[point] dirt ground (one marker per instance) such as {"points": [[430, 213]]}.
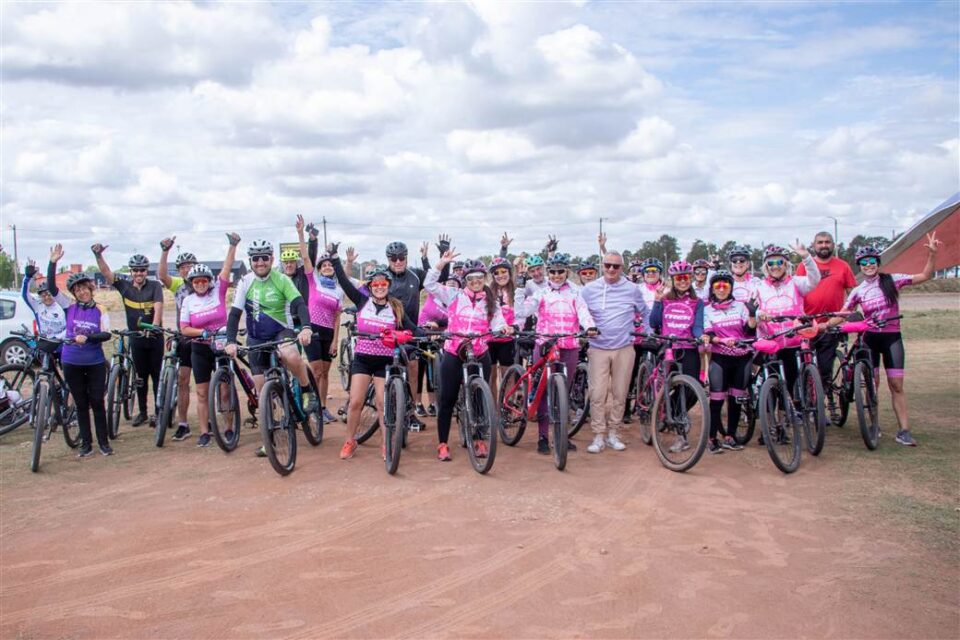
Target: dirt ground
{"points": [[194, 543]]}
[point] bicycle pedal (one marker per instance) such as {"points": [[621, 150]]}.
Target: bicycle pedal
{"points": [[414, 427]]}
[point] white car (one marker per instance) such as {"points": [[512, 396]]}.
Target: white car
{"points": [[14, 315]]}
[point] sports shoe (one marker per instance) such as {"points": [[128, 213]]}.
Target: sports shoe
{"points": [[105, 450], [443, 452], [261, 452], [597, 445], [85, 451], [228, 435], [905, 438], [203, 440], [327, 416], [183, 432], [420, 410], [613, 441], [153, 422], [543, 445], [416, 424], [432, 411], [680, 445], [139, 420], [480, 447], [571, 446], [349, 448], [731, 444], [714, 447]]}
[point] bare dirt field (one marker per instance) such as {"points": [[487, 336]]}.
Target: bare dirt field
{"points": [[183, 542]]}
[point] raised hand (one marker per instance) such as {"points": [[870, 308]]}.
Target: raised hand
{"points": [[233, 239], [56, 252], [351, 255], [167, 243], [443, 243], [299, 223], [424, 249], [800, 249], [551, 244], [332, 248], [505, 240], [448, 256], [98, 248], [31, 270], [932, 244], [602, 241], [312, 230]]}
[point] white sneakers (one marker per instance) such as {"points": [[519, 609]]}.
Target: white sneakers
{"points": [[599, 443]]}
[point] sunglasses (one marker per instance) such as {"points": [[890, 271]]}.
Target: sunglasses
{"points": [[651, 270], [721, 285], [868, 262], [739, 261], [397, 258], [475, 277], [557, 272], [700, 271], [197, 281], [138, 270], [260, 258], [588, 272], [779, 262], [612, 267], [682, 277], [380, 283]]}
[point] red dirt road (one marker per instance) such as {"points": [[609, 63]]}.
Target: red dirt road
{"points": [[190, 543]]}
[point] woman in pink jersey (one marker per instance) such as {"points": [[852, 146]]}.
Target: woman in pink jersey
{"points": [[725, 321], [502, 350], [433, 315], [559, 309], [473, 309], [878, 298], [202, 314], [324, 302]]}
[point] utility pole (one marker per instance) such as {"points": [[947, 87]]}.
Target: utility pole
{"points": [[16, 260], [324, 232], [836, 234]]}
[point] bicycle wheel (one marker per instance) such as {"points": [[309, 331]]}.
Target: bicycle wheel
{"points": [[513, 405], [838, 392], [313, 425], [131, 382], [559, 414], [778, 425], [41, 421], [168, 381], [865, 395], [644, 399], [810, 389], [224, 409], [369, 417], [22, 379], [395, 423], [480, 424], [748, 418], [460, 413], [579, 399], [277, 428], [680, 436], [68, 418], [116, 386], [344, 359]]}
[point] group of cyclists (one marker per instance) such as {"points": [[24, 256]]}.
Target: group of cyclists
{"points": [[611, 314]]}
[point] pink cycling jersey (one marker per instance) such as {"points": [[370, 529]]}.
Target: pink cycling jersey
{"points": [[324, 303], [558, 310], [373, 320], [727, 319], [784, 298], [509, 315], [873, 304], [431, 311], [466, 313], [649, 293], [207, 312], [743, 289], [678, 318]]}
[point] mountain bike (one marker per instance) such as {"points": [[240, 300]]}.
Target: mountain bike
{"points": [[52, 404], [168, 394], [222, 398], [122, 383], [345, 349], [281, 410], [580, 395], [547, 376], [17, 386], [679, 416]]}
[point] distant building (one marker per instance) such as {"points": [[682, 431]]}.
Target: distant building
{"points": [[62, 276], [908, 255]]}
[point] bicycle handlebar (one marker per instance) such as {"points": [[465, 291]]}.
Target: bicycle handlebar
{"points": [[266, 345]]}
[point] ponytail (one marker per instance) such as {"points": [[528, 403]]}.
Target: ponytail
{"points": [[889, 288], [492, 302], [397, 307]]}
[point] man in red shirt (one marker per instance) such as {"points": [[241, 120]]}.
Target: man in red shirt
{"points": [[836, 280]]}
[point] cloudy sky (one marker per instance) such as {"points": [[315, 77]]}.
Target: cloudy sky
{"points": [[125, 122]]}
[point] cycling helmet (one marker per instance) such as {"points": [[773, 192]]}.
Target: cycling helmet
{"points": [[586, 266], [380, 271], [559, 260], [199, 270], [260, 248], [323, 257], [868, 251], [700, 263], [473, 266], [396, 250], [455, 278], [533, 261], [289, 255], [457, 265], [185, 258], [138, 261], [77, 278], [43, 287], [680, 267], [652, 262], [775, 250], [721, 274], [500, 263], [738, 250]]}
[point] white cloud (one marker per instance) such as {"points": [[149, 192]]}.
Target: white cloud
{"points": [[486, 149], [652, 137]]}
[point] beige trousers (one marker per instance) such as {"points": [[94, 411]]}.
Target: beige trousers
{"points": [[609, 379]]}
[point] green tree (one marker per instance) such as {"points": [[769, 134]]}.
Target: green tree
{"points": [[701, 250], [849, 252], [665, 248], [8, 272]]}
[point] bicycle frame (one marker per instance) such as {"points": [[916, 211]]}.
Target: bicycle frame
{"points": [[549, 364]]}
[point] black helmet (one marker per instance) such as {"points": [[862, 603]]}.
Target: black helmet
{"points": [[43, 287], [138, 261], [738, 250], [77, 278], [185, 258], [380, 271], [396, 250]]}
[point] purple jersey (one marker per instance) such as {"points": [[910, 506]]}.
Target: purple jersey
{"points": [[85, 320], [873, 304], [325, 302], [727, 319]]}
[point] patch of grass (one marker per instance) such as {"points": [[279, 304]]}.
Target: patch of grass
{"points": [[936, 524], [937, 324], [940, 285]]}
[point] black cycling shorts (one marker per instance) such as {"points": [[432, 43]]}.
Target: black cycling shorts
{"points": [[889, 348], [185, 354], [319, 347], [260, 360], [502, 353], [203, 361], [368, 365]]}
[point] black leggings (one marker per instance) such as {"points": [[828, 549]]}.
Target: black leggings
{"points": [[729, 376], [889, 348], [425, 362], [147, 360], [88, 384], [450, 379]]}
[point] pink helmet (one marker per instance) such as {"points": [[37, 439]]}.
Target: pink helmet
{"points": [[499, 262], [679, 267]]}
